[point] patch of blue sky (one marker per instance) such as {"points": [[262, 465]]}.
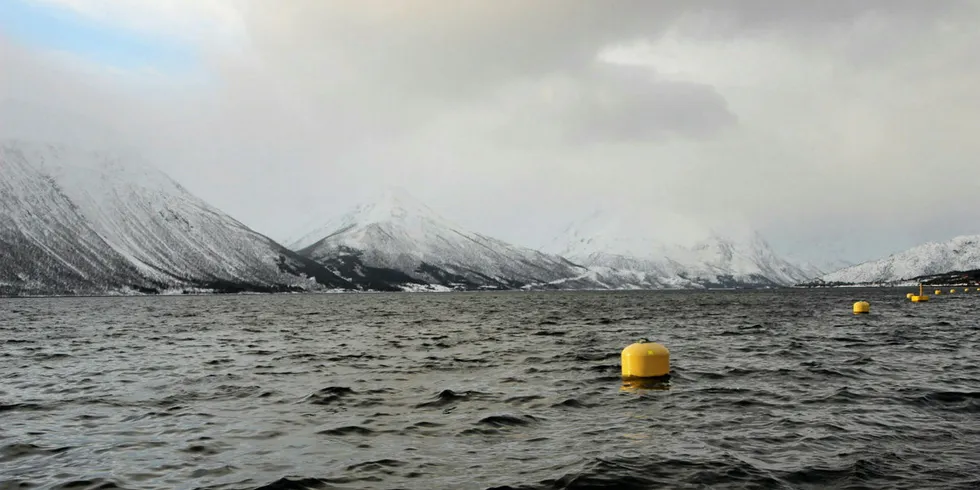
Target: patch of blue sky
{"points": [[50, 26]]}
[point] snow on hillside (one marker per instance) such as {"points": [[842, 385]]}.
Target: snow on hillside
{"points": [[397, 232], [393, 206], [814, 270], [94, 209], [46, 246], [958, 254], [669, 250]]}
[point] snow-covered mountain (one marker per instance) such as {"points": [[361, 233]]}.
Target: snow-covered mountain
{"points": [[958, 254], [401, 238], [668, 250], [83, 222], [815, 270]]}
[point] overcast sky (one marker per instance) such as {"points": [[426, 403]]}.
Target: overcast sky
{"points": [[839, 129]]}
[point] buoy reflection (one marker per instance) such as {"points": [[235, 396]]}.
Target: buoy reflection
{"points": [[659, 383]]}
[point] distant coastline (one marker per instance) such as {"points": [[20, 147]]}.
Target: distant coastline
{"points": [[952, 278]]}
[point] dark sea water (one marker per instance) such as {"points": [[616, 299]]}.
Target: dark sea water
{"points": [[489, 390]]}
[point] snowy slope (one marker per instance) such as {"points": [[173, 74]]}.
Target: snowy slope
{"points": [[46, 246], [815, 270], [398, 234], [958, 254], [668, 250], [117, 223]]}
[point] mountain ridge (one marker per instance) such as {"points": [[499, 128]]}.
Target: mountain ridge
{"points": [[672, 250], [399, 233], [77, 221], [932, 258], [396, 233]]}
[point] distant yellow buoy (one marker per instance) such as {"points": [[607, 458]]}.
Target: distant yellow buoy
{"points": [[951, 291], [909, 295], [862, 307], [645, 360], [938, 292], [920, 297]]}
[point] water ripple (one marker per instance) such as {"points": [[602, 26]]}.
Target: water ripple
{"points": [[768, 389]]}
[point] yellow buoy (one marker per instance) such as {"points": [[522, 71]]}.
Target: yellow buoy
{"points": [[645, 359], [951, 291], [909, 295], [938, 292], [920, 297], [862, 307]]}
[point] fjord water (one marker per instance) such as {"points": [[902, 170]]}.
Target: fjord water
{"points": [[770, 389]]}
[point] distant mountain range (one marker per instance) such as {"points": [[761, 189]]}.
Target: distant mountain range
{"points": [[623, 252], [947, 261], [397, 232], [76, 222]]}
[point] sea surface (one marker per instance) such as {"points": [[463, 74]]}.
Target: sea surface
{"points": [[769, 389]]}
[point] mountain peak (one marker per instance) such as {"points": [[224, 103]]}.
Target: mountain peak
{"points": [[641, 233], [393, 205], [399, 235], [91, 169], [394, 202], [669, 244]]}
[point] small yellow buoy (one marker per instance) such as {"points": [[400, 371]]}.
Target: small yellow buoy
{"points": [[862, 307], [909, 295], [938, 292], [951, 291], [920, 297], [645, 359]]}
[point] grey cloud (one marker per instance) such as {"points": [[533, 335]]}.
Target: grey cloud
{"points": [[450, 49], [373, 70], [444, 49], [629, 103], [753, 14], [50, 96], [609, 104]]}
